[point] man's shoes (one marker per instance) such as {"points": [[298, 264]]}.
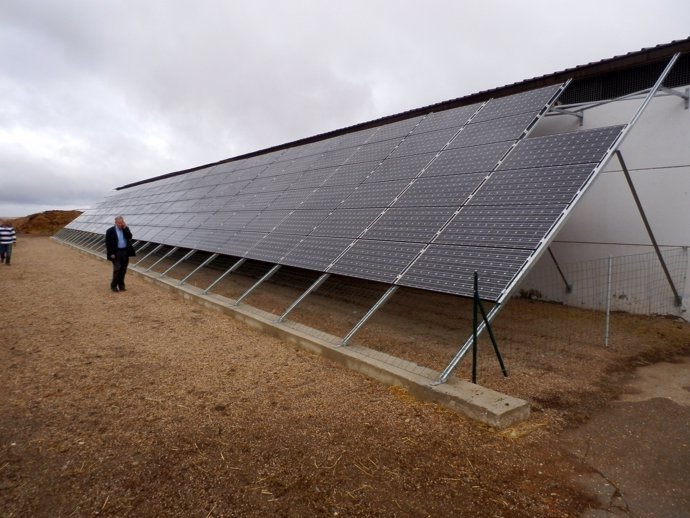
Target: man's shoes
{"points": [[123, 289], [114, 290]]}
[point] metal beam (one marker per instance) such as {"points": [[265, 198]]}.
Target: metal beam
{"points": [[304, 295], [384, 298], [678, 300], [466, 346], [171, 251], [568, 286], [227, 272], [184, 258], [268, 275], [207, 261], [151, 252]]}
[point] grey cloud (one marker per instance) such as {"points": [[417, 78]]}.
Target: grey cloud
{"points": [[99, 94]]}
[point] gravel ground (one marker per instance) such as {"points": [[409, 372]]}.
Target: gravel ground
{"points": [[143, 404]]}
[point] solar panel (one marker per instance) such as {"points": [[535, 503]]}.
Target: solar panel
{"points": [[578, 147], [375, 194], [266, 221], [531, 101], [411, 224], [272, 247], [542, 185], [440, 191], [468, 159], [348, 223], [494, 130], [521, 226], [450, 269], [419, 143], [400, 168], [327, 198], [349, 174], [367, 202], [375, 260], [239, 243], [301, 222], [316, 252]]}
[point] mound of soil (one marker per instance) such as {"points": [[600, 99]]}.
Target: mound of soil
{"points": [[44, 223]]}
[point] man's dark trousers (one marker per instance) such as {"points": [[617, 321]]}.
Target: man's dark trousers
{"points": [[120, 265]]}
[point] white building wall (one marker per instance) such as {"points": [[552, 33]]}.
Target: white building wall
{"points": [[606, 221]]}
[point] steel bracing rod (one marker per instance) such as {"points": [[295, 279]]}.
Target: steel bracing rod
{"points": [[685, 96], [227, 272], [150, 253], [258, 283], [556, 228], [76, 236], [463, 350], [493, 338], [96, 243], [144, 247], [568, 286], [207, 261], [677, 298], [304, 295], [184, 258], [83, 239], [566, 109], [560, 111], [171, 251], [80, 235], [93, 243], [384, 298]]}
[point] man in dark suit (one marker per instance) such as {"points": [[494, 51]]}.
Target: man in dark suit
{"points": [[119, 248]]}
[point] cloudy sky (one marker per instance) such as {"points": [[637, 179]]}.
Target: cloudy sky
{"points": [[98, 94]]}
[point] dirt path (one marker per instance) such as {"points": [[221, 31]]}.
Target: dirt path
{"points": [[141, 404], [640, 445]]}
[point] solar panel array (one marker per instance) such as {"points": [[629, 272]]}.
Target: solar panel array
{"points": [[421, 202]]}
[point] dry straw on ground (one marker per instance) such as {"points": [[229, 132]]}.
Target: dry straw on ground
{"points": [[142, 404]]}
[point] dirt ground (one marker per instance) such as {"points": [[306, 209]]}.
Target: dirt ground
{"points": [[142, 404]]}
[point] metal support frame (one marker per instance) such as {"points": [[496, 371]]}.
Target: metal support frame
{"points": [[678, 300], [227, 272], [184, 258], [258, 283], [557, 227], [489, 317], [685, 96], [87, 238], [568, 286], [578, 114], [150, 253], [145, 245], [322, 278], [207, 261], [171, 251], [384, 298], [96, 244], [89, 241], [477, 305]]}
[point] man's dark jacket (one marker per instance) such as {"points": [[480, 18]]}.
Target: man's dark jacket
{"points": [[111, 242]]}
